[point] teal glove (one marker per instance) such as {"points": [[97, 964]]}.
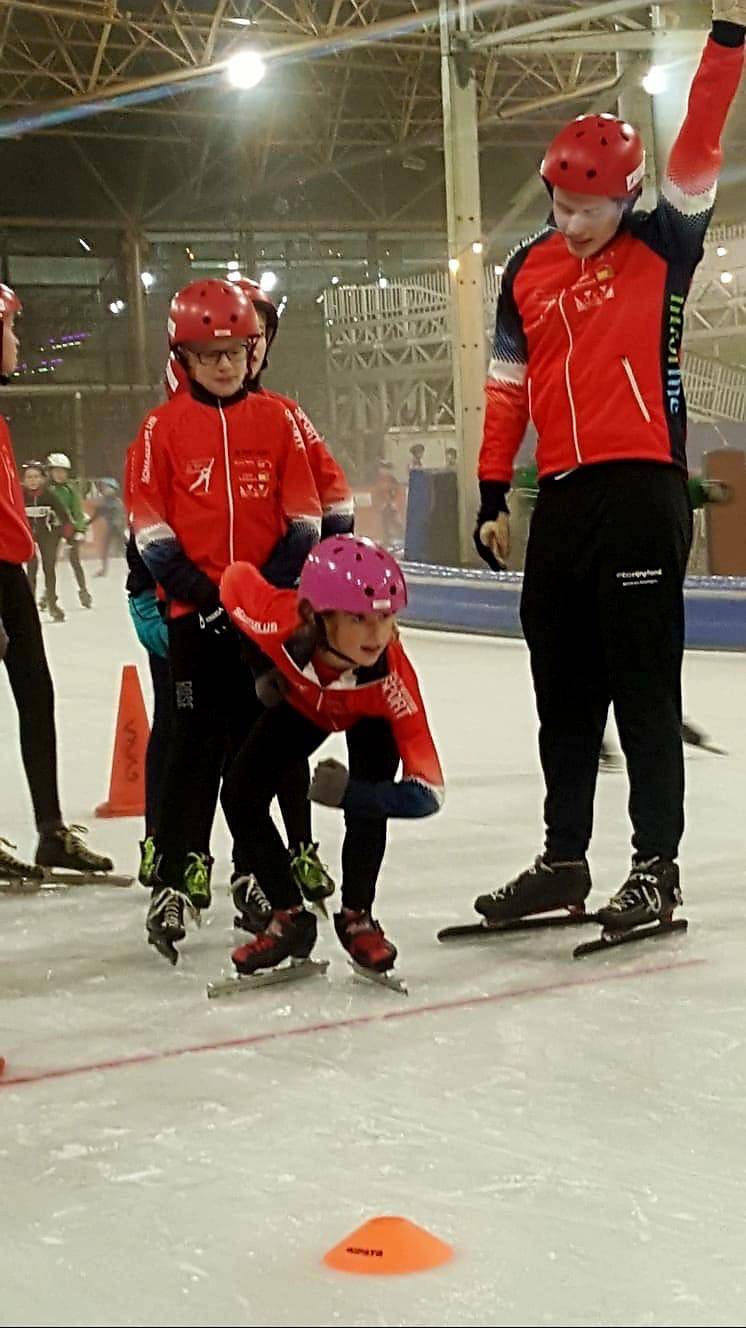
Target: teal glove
{"points": [[151, 630]]}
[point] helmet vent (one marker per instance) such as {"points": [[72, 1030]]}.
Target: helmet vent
{"points": [[592, 173]]}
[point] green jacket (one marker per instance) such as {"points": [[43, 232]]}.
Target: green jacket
{"points": [[72, 503]]}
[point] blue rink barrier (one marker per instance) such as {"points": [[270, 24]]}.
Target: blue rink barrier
{"points": [[464, 600]]}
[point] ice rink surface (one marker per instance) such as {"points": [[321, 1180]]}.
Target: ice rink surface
{"points": [[574, 1128]]}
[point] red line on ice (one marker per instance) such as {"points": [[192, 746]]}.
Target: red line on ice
{"points": [[303, 1030]]}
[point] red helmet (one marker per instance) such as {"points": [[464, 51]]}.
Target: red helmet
{"points": [[9, 302], [210, 308], [596, 154], [260, 299]]}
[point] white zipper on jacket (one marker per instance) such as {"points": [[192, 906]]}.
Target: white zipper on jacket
{"points": [[635, 388], [229, 488], [568, 385], [530, 402]]}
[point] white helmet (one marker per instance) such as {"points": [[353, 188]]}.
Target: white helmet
{"points": [[58, 461]]}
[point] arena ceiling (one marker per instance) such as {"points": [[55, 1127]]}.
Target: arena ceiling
{"points": [[122, 116]]}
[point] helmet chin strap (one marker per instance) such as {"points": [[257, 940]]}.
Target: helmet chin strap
{"points": [[326, 645]]}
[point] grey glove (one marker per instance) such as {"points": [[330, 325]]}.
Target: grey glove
{"points": [[271, 688], [329, 783], [730, 11], [4, 642]]}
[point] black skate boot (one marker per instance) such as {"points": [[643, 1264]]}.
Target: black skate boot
{"points": [[291, 934], [254, 911], [650, 894], [55, 612], [540, 889], [15, 869], [165, 920], [85, 598], [64, 848]]}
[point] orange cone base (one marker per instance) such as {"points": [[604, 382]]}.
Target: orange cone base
{"points": [[105, 809], [388, 1245]]}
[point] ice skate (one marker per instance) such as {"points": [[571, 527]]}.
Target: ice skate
{"points": [[641, 909], [15, 873], [253, 909], [372, 954], [165, 920], [63, 850]]}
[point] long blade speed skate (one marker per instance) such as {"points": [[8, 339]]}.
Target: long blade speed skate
{"points": [[56, 882], [610, 939], [238, 984], [482, 931]]}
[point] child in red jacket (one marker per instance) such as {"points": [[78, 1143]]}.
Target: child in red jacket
{"points": [[335, 663]]}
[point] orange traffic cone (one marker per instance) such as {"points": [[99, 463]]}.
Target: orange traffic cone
{"points": [[387, 1245], [127, 784]]}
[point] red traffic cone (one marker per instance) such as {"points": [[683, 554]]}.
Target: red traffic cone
{"points": [[127, 784]]}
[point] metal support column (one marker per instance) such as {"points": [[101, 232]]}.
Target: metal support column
{"points": [[136, 305], [669, 106], [464, 216], [79, 435]]}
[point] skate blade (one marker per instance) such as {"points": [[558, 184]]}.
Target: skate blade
{"points": [[165, 947], [20, 885], [610, 940], [387, 979], [481, 931], [295, 971], [54, 878]]}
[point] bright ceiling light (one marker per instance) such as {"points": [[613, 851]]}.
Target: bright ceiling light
{"points": [[726, 278], [148, 280], [268, 281], [655, 81], [245, 69]]}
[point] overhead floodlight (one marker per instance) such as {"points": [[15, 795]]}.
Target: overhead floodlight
{"points": [[453, 265], [148, 280], [655, 81], [233, 265], [84, 244], [477, 247], [268, 281], [721, 251], [117, 307], [383, 282], [726, 278], [335, 281], [245, 69]]}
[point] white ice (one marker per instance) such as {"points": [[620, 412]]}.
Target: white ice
{"points": [[574, 1129]]}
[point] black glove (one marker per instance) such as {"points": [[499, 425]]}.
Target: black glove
{"points": [[216, 622], [271, 688], [329, 783], [492, 503], [4, 642]]}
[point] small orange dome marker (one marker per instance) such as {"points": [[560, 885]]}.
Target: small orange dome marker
{"points": [[388, 1245]]}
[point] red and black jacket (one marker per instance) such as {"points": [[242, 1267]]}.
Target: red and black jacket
{"points": [[16, 540], [589, 349]]}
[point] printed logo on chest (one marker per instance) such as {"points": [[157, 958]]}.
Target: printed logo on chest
{"points": [[254, 476]]}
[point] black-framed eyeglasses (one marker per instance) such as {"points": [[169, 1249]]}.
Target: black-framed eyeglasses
{"points": [[232, 354]]}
